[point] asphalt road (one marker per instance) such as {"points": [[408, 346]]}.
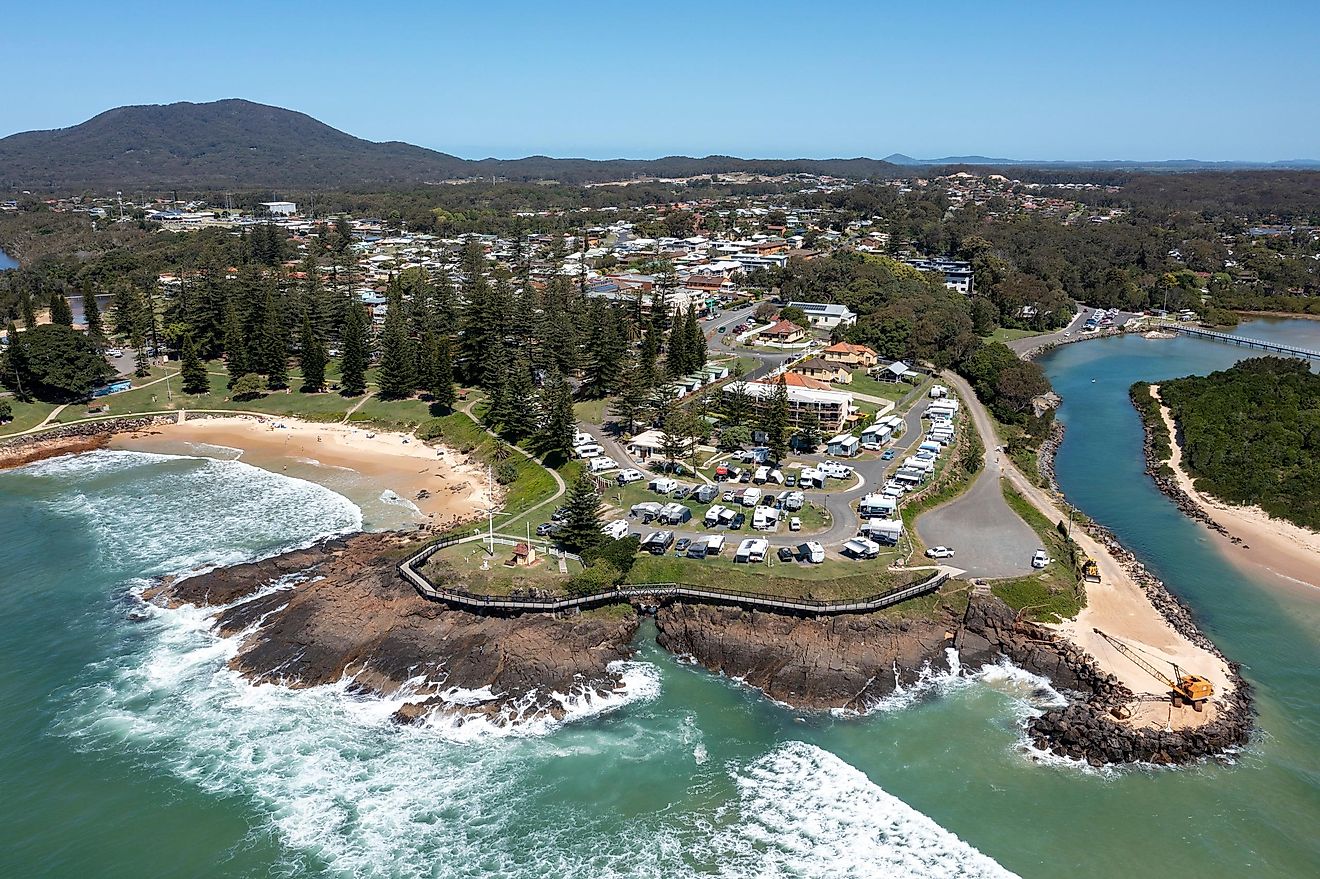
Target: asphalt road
{"points": [[988, 538]]}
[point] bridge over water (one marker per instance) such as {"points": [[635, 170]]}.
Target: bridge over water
{"points": [[1242, 341]]}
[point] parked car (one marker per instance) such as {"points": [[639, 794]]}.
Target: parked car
{"points": [[545, 529], [785, 554], [746, 476], [1039, 559], [682, 545], [790, 480], [560, 514], [795, 524], [115, 352], [738, 521], [939, 552], [888, 455]]}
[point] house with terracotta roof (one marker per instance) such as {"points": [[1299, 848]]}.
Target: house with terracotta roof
{"points": [[784, 332], [823, 370], [851, 356]]}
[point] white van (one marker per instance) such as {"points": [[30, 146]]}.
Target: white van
{"points": [[629, 475], [591, 450], [581, 439]]}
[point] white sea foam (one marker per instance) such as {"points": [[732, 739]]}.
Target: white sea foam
{"points": [[804, 812], [191, 512]]}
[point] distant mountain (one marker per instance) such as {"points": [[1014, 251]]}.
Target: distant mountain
{"points": [[900, 159], [237, 143]]}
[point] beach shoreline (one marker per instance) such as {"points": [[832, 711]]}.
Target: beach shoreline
{"points": [[443, 486], [1246, 534]]}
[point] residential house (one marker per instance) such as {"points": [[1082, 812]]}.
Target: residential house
{"points": [[784, 332], [821, 369], [851, 356], [826, 315]]}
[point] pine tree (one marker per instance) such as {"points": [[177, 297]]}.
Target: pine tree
{"points": [[353, 365], [237, 363], [775, 421], [193, 371], [676, 357], [142, 363], [92, 316], [696, 342], [396, 378], [497, 389], [520, 416], [311, 357], [60, 312], [737, 404], [17, 367], [28, 308], [273, 348], [442, 379], [606, 347], [630, 401], [809, 436], [559, 423], [582, 525]]}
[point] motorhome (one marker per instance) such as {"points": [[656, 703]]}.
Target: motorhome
{"points": [[590, 450], [581, 439], [761, 475], [811, 477], [794, 501], [751, 497], [929, 446], [705, 494]]}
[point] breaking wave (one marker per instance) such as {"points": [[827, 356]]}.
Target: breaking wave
{"points": [[805, 812], [160, 514]]}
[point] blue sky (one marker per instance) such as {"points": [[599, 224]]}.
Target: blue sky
{"points": [[1046, 80]]}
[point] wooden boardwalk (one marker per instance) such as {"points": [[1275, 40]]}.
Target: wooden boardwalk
{"points": [[659, 592]]}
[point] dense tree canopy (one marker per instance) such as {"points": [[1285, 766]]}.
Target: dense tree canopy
{"points": [[53, 363], [1251, 435]]}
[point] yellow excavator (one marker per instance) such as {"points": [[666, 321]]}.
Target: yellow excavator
{"points": [[1090, 570], [1189, 688]]}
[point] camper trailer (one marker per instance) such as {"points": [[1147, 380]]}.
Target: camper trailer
{"points": [[715, 544], [674, 514], [616, 530], [811, 551], [861, 548], [601, 464], [765, 519], [836, 470], [751, 497], [886, 531], [662, 485], [713, 516]]}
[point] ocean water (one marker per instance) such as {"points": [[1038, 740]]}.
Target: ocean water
{"points": [[130, 749]]}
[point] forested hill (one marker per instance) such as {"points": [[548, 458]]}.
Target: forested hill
{"points": [[1251, 435], [236, 143]]}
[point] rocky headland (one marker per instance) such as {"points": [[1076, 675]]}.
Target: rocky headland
{"points": [[339, 609]]}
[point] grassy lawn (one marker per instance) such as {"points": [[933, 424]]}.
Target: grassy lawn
{"points": [[1055, 592], [27, 415], [591, 411], [461, 566], [1007, 334], [836, 578], [863, 384]]}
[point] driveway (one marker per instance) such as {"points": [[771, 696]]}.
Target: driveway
{"points": [[989, 539]]}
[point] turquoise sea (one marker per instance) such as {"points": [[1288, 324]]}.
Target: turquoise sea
{"points": [[128, 749]]}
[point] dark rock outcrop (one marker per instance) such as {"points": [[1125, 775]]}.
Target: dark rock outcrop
{"points": [[845, 661], [342, 610], [70, 439]]}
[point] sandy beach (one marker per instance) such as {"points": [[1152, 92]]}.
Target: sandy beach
{"points": [[1119, 606], [441, 484], [1285, 550]]}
